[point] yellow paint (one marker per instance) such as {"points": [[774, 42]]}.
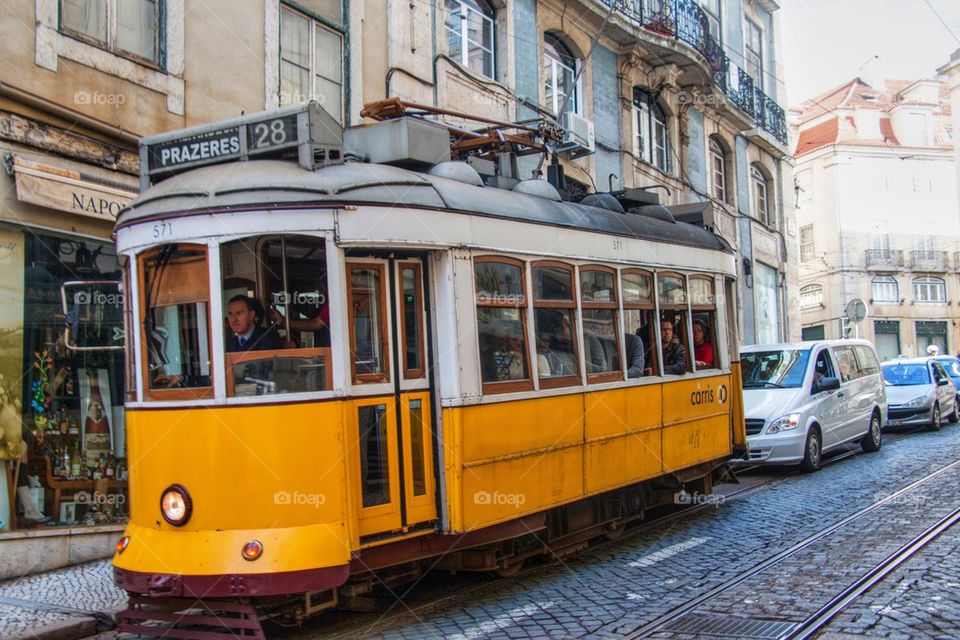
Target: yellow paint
{"points": [[500, 430], [689, 399], [621, 411], [736, 409], [623, 460], [377, 517], [422, 505], [691, 443]]}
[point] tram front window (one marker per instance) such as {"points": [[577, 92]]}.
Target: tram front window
{"points": [[276, 333], [175, 320]]}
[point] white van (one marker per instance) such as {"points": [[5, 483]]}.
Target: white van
{"points": [[802, 399]]}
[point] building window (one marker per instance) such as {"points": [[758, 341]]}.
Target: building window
{"points": [[931, 333], [886, 337], [811, 296], [713, 10], [311, 62], [753, 52], [126, 27], [651, 142], [718, 171], [885, 289], [469, 28], [761, 190], [559, 73], [926, 248], [807, 247], [930, 290]]}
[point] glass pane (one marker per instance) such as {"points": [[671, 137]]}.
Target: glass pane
{"points": [[332, 10], [503, 355], [499, 282], [368, 321], [254, 375], [94, 314], [294, 83], [487, 34], [701, 291], [597, 286], [327, 93], [637, 288], [477, 59], [411, 319], [556, 349], [88, 17], [137, 27], [671, 290], [329, 58], [600, 340], [704, 354], [453, 26], [176, 321], [295, 39], [374, 455], [552, 283], [417, 448]]}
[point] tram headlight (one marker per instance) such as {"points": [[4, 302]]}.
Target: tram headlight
{"points": [[122, 545], [176, 505], [252, 550], [786, 423]]}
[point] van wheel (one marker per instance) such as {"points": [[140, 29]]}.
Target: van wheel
{"points": [[872, 440], [935, 423], [812, 451]]}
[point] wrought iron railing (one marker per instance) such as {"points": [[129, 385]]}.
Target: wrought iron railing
{"points": [[884, 258], [923, 260], [686, 21]]}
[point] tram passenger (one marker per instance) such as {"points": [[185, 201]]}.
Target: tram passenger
{"points": [[315, 318], [243, 316], [674, 353], [634, 346], [702, 349]]}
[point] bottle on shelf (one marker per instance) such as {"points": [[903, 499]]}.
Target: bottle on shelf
{"points": [[65, 463], [96, 426], [75, 462], [110, 467]]}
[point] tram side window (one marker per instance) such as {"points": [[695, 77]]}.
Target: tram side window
{"points": [[675, 342], [638, 310], [703, 302], [598, 297], [276, 331], [554, 322], [501, 324], [366, 283], [175, 302]]}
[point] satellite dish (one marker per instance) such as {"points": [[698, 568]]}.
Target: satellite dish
{"points": [[856, 310]]}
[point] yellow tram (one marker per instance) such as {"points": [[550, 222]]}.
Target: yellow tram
{"points": [[439, 373]]}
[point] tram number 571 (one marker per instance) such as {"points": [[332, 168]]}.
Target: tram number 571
{"points": [[162, 230]]}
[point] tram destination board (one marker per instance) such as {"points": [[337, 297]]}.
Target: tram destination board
{"points": [[269, 134]]}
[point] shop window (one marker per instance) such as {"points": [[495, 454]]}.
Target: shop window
{"points": [[276, 332], [61, 408], [311, 62], [601, 343], [703, 303], [469, 26], [176, 332], [501, 324], [638, 320], [128, 27], [366, 292], [886, 337], [555, 322], [931, 333], [674, 338]]}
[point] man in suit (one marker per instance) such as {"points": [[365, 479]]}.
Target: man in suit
{"points": [[243, 316]]}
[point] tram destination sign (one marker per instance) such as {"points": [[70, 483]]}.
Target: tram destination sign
{"points": [[297, 132]]}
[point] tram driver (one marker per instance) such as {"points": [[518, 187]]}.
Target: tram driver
{"points": [[244, 315]]}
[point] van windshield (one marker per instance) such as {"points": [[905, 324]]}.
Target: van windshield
{"points": [[780, 369]]}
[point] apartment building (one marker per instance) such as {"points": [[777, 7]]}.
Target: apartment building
{"points": [[681, 98], [877, 208]]}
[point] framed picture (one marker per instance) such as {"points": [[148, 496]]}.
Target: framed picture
{"points": [[68, 512]]}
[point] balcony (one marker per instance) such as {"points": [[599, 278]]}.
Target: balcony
{"points": [[685, 21], [884, 259], [928, 260]]}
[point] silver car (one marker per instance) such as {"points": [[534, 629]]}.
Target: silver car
{"points": [[919, 392]]}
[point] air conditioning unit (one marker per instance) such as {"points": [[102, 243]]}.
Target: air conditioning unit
{"points": [[578, 139]]}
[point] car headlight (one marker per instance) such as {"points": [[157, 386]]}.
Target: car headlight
{"points": [[916, 402], [786, 423], [176, 505]]}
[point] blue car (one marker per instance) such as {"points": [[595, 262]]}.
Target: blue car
{"points": [[952, 366]]}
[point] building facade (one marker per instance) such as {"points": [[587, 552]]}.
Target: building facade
{"points": [[684, 98], [878, 216]]}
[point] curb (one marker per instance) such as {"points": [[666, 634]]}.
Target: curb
{"points": [[79, 627]]}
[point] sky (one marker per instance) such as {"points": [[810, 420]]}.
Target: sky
{"points": [[828, 42]]}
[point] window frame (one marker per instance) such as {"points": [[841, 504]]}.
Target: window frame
{"points": [[557, 44], [704, 308], [421, 372], [808, 246], [566, 380], [686, 339], [489, 16], [313, 22], [384, 375], [761, 192], [615, 374], [808, 291], [929, 285], [714, 18], [650, 305], [505, 386], [718, 175], [887, 282], [649, 121], [750, 29], [109, 44]]}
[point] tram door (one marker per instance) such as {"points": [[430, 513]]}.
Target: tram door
{"points": [[392, 431]]}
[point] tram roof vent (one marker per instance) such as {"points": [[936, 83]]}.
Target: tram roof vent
{"points": [[408, 142], [459, 171], [603, 201], [538, 188], [657, 211]]}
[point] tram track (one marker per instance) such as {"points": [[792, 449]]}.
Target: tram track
{"points": [[809, 627], [449, 598]]}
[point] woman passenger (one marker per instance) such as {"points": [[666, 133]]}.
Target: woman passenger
{"points": [[702, 349]]}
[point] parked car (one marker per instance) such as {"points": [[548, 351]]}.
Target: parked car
{"points": [[803, 399], [920, 392], [951, 364]]}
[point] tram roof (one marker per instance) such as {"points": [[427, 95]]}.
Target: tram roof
{"points": [[272, 182]]}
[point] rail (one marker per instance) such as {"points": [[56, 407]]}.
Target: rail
{"points": [[685, 21]]}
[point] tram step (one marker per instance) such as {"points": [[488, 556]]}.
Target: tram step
{"points": [[190, 619]]}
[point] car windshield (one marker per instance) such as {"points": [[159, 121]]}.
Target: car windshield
{"points": [[952, 365], [901, 375], [774, 369]]}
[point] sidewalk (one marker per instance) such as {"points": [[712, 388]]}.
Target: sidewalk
{"points": [[73, 602]]}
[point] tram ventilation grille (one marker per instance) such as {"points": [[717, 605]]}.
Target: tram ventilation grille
{"points": [[727, 627], [754, 426]]}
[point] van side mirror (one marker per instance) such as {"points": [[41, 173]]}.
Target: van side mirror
{"points": [[942, 382], [827, 384]]}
